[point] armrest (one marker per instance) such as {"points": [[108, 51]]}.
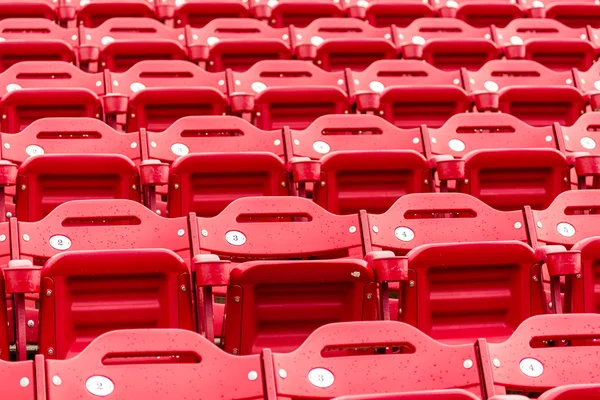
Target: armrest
{"points": [[306, 52], [447, 167], [211, 270], [487, 101], [367, 101], [559, 260], [241, 103], [357, 12], [412, 51], [66, 12], [8, 173], [262, 11], [515, 52], [115, 103], [22, 277], [88, 53], [537, 12], [387, 266], [585, 164], [594, 98], [447, 12], [164, 11], [198, 52], [154, 172], [305, 170]]}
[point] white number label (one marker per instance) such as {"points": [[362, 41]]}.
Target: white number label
{"points": [[235, 238], [33, 150], [99, 386], [60, 242], [321, 377], [531, 367], [321, 147], [565, 229], [180, 149], [404, 234]]}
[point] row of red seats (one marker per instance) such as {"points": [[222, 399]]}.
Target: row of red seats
{"points": [[274, 94], [342, 359], [444, 262], [280, 13], [331, 43]]}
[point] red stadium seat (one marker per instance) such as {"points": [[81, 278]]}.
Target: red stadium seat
{"points": [[157, 93], [6, 335], [18, 380], [548, 42], [85, 294], [383, 13], [328, 364], [589, 83], [573, 13], [409, 93], [287, 93], [223, 145], [300, 13], [450, 394], [479, 13], [572, 392], [527, 90], [118, 363], [34, 90], [198, 13], [35, 39], [522, 365], [459, 292], [237, 44], [446, 43], [48, 9], [338, 43], [119, 43], [93, 13], [364, 162]]}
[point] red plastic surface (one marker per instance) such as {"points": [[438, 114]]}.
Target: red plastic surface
{"points": [[198, 13], [481, 13], [573, 13], [28, 9], [14, 375], [384, 13], [94, 13], [300, 13], [87, 293], [450, 394]]}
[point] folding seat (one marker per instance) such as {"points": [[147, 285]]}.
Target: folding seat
{"points": [[73, 161], [198, 13], [35, 39], [338, 43], [300, 13], [589, 82], [523, 364], [237, 44], [479, 13], [327, 364], [17, 380], [409, 93], [572, 392], [458, 292], [48, 9], [213, 161], [186, 363], [93, 13], [287, 93], [446, 43], [154, 94], [546, 41], [528, 90], [382, 13], [33, 90], [450, 394], [362, 162], [119, 43], [573, 13]]}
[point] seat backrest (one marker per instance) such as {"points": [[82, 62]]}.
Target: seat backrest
{"points": [[585, 290], [525, 365], [331, 133], [35, 39], [95, 13], [122, 42], [576, 13], [291, 93], [509, 179], [370, 180], [197, 13], [160, 92], [423, 218], [338, 43], [243, 231], [4, 352], [28, 9], [476, 131], [384, 13], [87, 293], [86, 225], [299, 13], [190, 364], [277, 304], [15, 375], [459, 292], [33, 89], [480, 13], [572, 392], [211, 134], [328, 358], [237, 44]]}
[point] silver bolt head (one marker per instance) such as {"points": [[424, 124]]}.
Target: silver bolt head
{"points": [[282, 373], [496, 362]]}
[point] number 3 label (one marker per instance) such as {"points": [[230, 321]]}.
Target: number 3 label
{"points": [[235, 238]]}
